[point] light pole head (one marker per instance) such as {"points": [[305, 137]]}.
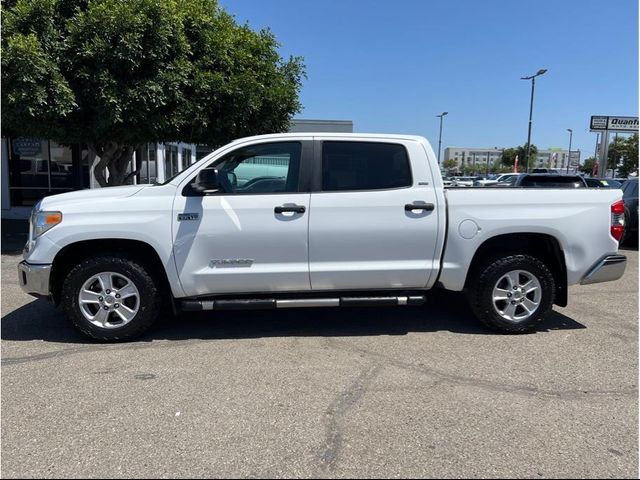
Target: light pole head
{"points": [[542, 71], [569, 130], [442, 114]]}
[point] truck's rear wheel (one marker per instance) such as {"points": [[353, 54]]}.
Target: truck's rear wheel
{"points": [[512, 294], [111, 298]]}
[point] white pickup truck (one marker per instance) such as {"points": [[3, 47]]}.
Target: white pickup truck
{"points": [[316, 220]]}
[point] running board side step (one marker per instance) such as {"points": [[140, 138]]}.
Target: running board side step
{"points": [[269, 303]]}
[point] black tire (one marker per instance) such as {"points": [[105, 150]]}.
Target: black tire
{"points": [[484, 279], [625, 233], [150, 298]]}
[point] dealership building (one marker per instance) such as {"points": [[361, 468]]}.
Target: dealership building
{"points": [[34, 168], [479, 156]]}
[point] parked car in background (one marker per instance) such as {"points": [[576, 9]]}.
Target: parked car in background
{"points": [[630, 197], [494, 180], [447, 182], [509, 181], [547, 180], [484, 180], [546, 170], [463, 181], [505, 176], [603, 183]]}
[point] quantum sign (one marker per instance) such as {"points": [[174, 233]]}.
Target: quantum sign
{"points": [[601, 123]]}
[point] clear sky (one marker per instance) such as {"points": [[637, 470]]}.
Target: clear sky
{"points": [[392, 66]]}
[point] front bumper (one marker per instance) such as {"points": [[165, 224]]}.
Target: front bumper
{"points": [[34, 279], [607, 269]]}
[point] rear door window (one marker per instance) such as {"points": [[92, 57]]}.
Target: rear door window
{"points": [[364, 166]]}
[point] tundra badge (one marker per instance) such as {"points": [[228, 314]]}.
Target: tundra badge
{"points": [[188, 216], [231, 262]]}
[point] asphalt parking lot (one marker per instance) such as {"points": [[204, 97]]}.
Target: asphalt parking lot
{"points": [[414, 392]]}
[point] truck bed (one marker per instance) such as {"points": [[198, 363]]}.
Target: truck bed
{"points": [[578, 219]]}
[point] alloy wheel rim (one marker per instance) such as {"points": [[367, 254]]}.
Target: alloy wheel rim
{"points": [[109, 300], [517, 295]]}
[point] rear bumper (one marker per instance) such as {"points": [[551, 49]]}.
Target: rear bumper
{"points": [[34, 279], [607, 269]]}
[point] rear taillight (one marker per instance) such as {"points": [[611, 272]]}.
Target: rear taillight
{"points": [[617, 220]]}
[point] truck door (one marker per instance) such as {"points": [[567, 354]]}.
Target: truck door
{"points": [[374, 218], [252, 234]]}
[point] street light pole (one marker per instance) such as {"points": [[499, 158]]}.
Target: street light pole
{"points": [[570, 138], [440, 137], [533, 86]]}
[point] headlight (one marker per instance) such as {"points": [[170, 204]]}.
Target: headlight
{"points": [[43, 221]]}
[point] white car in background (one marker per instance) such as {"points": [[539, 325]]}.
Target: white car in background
{"points": [[447, 181], [494, 179], [463, 181]]}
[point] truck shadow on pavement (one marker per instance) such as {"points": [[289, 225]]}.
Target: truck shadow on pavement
{"points": [[445, 311]]}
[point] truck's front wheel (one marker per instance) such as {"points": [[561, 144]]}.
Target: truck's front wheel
{"points": [[512, 294], [111, 298]]}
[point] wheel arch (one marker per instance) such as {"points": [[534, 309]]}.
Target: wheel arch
{"points": [[74, 253], [545, 247]]}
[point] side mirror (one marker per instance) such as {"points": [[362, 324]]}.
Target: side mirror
{"points": [[207, 181]]}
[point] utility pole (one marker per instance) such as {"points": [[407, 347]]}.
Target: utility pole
{"points": [[533, 86], [440, 137], [569, 157]]}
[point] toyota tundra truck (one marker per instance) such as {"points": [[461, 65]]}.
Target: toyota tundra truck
{"points": [[316, 220]]}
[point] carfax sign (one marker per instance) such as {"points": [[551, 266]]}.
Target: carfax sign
{"points": [[614, 124], [26, 147]]}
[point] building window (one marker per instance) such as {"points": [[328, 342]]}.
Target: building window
{"points": [[148, 167], [61, 167], [171, 160], [38, 168], [186, 157]]}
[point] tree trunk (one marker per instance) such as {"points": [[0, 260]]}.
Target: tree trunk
{"points": [[114, 160]]}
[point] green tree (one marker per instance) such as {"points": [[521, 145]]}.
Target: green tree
{"points": [[116, 74], [504, 169], [509, 156], [587, 166], [450, 164], [522, 155], [629, 153], [468, 170], [616, 151]]}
